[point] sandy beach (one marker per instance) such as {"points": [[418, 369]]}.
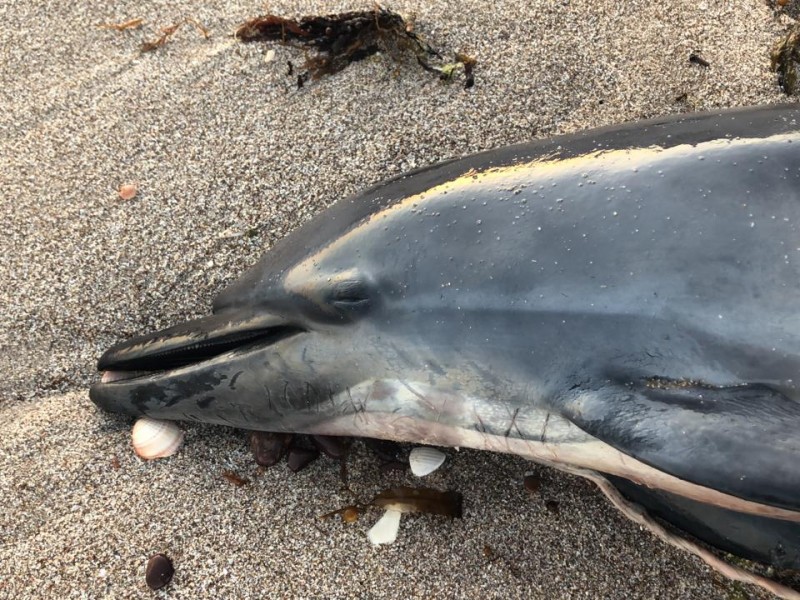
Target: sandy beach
{"points": [[228, 156]]}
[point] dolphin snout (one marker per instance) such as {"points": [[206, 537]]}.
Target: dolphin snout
{"points": [[195, 341]]}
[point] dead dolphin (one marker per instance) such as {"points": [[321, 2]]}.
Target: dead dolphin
{"points": [[621, 301]]}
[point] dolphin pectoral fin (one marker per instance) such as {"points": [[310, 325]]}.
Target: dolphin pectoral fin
{"points": [[770, 541], [742, 440]]}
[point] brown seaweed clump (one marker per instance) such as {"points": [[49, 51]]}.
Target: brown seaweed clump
{"points": [[785, 60], [338, 40]]}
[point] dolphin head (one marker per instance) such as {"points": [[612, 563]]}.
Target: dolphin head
{"points": [[577, 302], [335, 319]]}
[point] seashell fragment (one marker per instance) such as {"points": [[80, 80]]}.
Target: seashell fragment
{"points": [[385, 530], [425, 460], [156, 439], [128, 191]]}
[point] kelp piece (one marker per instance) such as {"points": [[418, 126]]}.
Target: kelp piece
{"points": [[339, 40]]}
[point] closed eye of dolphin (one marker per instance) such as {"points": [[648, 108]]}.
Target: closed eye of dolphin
{"points": [[342, 296], [350, 294]]}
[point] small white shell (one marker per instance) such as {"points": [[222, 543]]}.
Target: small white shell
{"points": [[385, 530], [425, 460], [156, 439]]}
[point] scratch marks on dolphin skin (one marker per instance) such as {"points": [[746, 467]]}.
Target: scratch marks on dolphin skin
{"points": [[423, 399], [544, 427], [242, 413], [350, 398], [286, 400], [311, 397], [331, 397], [271, 407], [232, 383], [480, 426], [513, 424]]}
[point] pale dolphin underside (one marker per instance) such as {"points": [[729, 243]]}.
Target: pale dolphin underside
{"points": [[623, 301]]}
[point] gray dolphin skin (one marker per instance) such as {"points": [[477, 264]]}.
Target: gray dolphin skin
{"points": [[624, 301]]}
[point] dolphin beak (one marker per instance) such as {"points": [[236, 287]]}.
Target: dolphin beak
{"points": [[205, 369], [192, 342]]}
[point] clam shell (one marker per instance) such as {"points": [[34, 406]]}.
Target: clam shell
{"points": [[156, 439], [425, 460], [385, 530]]}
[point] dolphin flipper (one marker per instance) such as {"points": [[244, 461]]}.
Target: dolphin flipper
{"points": [[742, 440], [770, 541]]}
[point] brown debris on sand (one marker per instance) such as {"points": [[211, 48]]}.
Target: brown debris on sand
{"points": [[124, 26], [338, 40], [785, 60], [168, 32]]}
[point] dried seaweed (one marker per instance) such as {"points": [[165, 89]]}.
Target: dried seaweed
{"points": [[408, 500], [336, 41], [124, 26], [785, 60], [235, 478], [426, 500], [168, 32]]}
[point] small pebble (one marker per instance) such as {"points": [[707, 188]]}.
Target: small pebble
{"points": [[159, 571], [268, 448], [334, 446], [532, 483], [299, 458]]}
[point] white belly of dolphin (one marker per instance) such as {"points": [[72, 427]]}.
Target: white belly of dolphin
{"points": [[412, 411]]}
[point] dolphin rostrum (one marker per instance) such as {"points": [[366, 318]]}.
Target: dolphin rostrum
{"points": [[620, 302]]}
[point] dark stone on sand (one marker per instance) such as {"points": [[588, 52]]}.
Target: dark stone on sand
{"points": [[159, 571]]}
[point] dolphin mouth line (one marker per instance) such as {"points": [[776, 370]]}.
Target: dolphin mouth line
{"points": [[117, 368]]}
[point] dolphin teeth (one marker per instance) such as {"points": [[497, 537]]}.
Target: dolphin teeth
{"points": [[425, 460]]}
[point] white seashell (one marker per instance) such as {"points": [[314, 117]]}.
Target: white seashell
{"points": [[385, 530], [156, 439], [425, 460]]}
